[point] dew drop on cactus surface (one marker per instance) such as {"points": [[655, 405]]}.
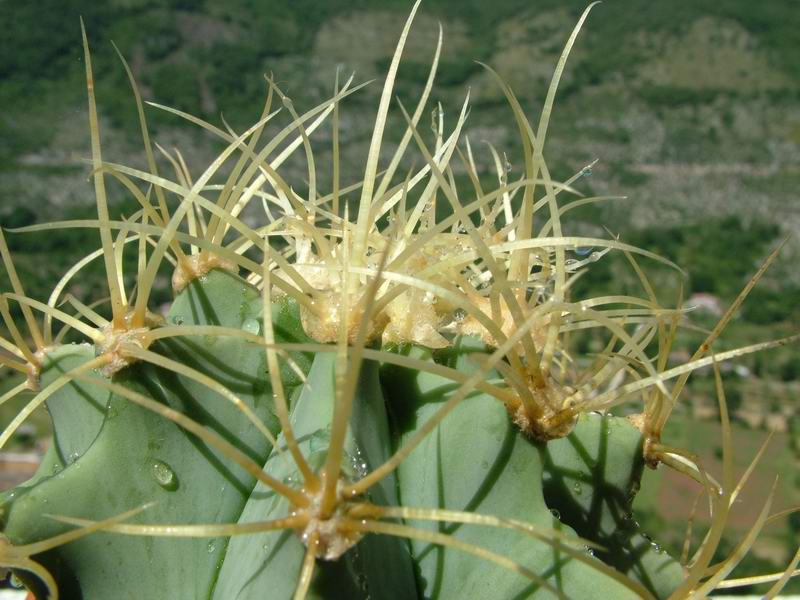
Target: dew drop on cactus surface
{"points": [[164, 475], [586, 172], [252, 326], [211, 547], [578, 489], [358, 464]]}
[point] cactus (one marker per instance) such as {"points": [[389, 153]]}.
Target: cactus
{"points": [[383, 406]]}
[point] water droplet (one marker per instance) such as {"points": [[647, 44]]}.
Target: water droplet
{"points": [[56, 469], [583, 250], [211, 547], [358, 465], [251, 326], [595, 256], [177, 320], [577, 488], [165, 476], [555, 513], [265, 548], [72, 458], [586, 172]]}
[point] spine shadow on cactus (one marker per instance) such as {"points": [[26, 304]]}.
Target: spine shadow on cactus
{"points": [[483, 465], [591, 478]]}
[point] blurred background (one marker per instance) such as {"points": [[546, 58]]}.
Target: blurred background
{"points": [[692, 108]]}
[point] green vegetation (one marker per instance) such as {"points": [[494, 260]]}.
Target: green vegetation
{"points": [[207, 58]]}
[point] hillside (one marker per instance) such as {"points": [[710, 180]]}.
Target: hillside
{"points": [[693, 112]]}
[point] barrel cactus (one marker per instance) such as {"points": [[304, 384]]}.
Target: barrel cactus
{"points": [[361, 396]]}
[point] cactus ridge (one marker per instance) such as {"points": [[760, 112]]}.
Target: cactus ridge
{"points": [[378, 407]]}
